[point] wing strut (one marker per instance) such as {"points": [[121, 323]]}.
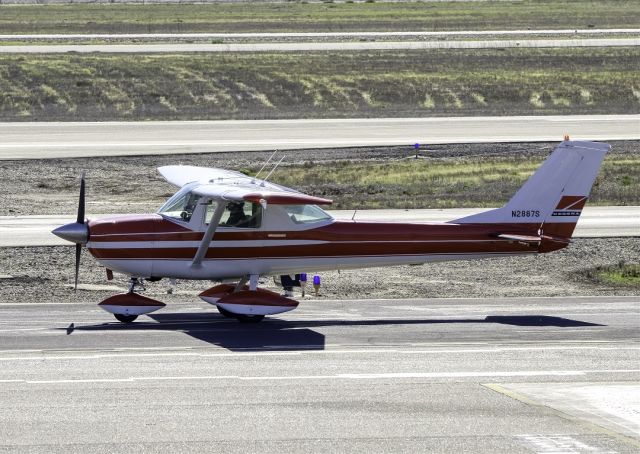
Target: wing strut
{"points": [[208, 235]]}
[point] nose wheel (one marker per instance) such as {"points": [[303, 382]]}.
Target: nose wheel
{"points": [[249, 318], [125, 318], [126, 307]]}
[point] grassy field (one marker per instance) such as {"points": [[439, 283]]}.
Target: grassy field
{"points": [[327, 16], [481, 181], [621, 274], [321, 84]]}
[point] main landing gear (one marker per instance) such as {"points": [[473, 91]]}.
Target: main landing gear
{"points": [[247, 303], [242, 318]]}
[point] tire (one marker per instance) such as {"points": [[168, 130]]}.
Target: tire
{"points": [[225, 312], [242, 318], [125, 318]]}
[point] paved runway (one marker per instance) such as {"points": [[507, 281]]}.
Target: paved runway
{"points": [[448, 375], [595, 222], [315, 46], [316, 35], [39, 140]]}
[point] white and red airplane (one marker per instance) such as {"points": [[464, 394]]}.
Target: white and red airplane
{"points": [[225, 226]]}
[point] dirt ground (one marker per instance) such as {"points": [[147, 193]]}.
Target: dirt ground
{"points": [[44, 274]]}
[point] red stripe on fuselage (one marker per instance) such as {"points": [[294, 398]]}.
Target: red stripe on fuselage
{"points": [[336, 231], [341, 238]]}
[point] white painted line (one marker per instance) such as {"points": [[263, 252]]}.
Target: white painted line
{"points": [[373, 351], [372, 376]]}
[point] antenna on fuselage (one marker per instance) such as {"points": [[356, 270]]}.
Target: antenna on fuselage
{"points": [[272, 170], [264, 165]]}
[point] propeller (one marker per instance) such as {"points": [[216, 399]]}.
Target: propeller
{"points": [[76, 232], [79, 220]]}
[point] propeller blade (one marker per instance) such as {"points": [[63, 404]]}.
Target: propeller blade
{"points": [[80, 218], [78, 253]]}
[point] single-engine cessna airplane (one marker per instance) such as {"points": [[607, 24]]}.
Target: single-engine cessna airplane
{"points": [[222, 225]]}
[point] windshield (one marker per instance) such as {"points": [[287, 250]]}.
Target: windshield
{"points": [[305, 214], [180, 206]]}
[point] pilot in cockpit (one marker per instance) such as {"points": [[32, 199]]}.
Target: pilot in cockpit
{"points": [[237, 216]]}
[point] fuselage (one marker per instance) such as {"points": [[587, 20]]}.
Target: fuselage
{"points": [[154, 246]]}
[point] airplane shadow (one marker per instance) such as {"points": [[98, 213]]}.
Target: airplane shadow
{"points": [[275, 334]]}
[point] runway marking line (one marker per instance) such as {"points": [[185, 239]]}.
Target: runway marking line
{"points": [[156, 352], [371, 376], [569, 417]]}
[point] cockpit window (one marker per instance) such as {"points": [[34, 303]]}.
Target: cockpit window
{"points": [[238, 214], [180, 206], [305, 214]]}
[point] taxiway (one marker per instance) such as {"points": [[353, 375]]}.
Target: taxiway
{"points": [[315, 35], [483, 375], [315, 46], [48, 140]]}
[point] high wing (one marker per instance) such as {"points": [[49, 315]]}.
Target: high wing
{"points": [[242, 193], [181, 175], [220, 184]]}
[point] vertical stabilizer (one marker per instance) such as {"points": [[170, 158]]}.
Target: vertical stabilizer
{"points": [[554, 195]]}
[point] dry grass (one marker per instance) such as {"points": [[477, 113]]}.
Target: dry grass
{"points": [[444, 183], [291, 85], [328, 16]]}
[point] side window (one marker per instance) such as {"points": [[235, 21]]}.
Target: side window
{"points": [[238, 214], [305, 214]]}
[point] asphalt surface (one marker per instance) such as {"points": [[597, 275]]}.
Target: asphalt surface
{"points": [[40, 140], [595, 222], [315, 46], [448, 375], [320, 35]]}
